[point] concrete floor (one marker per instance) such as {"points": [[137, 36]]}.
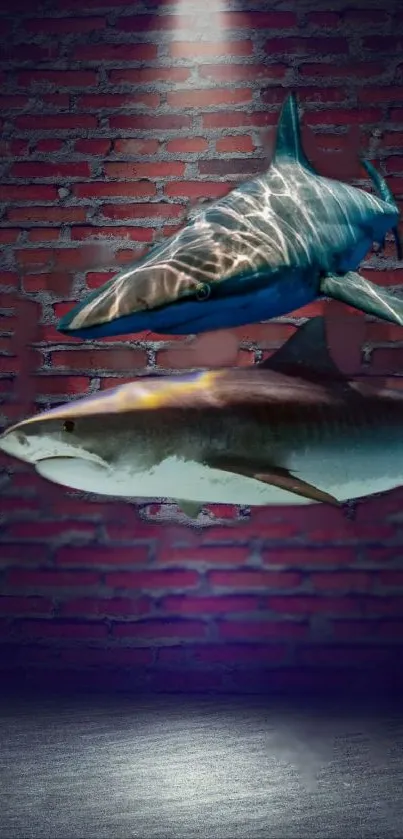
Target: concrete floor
{"points": [[173, 767]]}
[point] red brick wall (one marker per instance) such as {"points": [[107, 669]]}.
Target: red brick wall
{"points": [[116, 116]]}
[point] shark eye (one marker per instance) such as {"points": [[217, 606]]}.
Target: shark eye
{"points": [[203, 291], [69, 426]]}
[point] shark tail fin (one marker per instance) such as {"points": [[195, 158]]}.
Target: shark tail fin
{"points": [[288, 142], [387, 195]]}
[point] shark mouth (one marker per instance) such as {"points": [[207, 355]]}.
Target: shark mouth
{"points": [[385, 193], [74, 472]]}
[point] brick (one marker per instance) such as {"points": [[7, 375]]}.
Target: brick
{"points": [[126, 256], [136, 234], [93, 147], [59, 101], [310, 605], [234, 166], [301, 557], [297, 45], [393, 277], [140, 122], [59, 78], [209, 97], [65, 259], [154, 23], [41, 170], [58, 122], [19, 577], [332, 656], [343, 116], [189, 681], [387, 360], [391, 579], [354, 581], [387, 94], [154, 629], [23, 192], [238, 654], [56, 282], [129, 211], [43, 234], [363, 17], [52, 385], [252, 579], [388, 44], [8, 236], [49, 215], [25, 606], [59, 630], [224, 554], [390, 629], [243, 72], [326, 20], [257, 20], [394, 164], [315, 95], [209, 605], [105, 607], [99, 189], [210, 49], [16, 55], [162, 169], [113, 657], [13, 148], [64, 26], [238, 119], [149, 75], [12, 102], [358, 629], [195, 189], [88, 359], [101, 101], [102, 556], [240, 144], [150, 580], [136, 147], [362, 70], [257, 630], [101, 53]]}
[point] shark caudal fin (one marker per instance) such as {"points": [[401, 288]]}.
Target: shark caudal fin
{"points": [[385, 193], [289, 147], [306, 354]]}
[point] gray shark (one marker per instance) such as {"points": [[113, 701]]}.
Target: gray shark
{"points": [[270, 246], [293, 430]]}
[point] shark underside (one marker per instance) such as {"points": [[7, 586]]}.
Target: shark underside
{"points": [[269, 247]]}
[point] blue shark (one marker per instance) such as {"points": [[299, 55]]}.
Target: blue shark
{"points": [[270, 246]]}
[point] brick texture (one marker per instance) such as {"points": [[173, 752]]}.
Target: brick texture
{"points": [[116, 118]]}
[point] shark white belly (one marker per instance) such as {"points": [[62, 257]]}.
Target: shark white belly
{"points": [[345, 476]]}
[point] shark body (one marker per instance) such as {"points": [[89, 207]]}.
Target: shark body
{"points": [[289, 431], [270, 246]]}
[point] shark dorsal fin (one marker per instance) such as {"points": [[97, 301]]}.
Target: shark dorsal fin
{"points": [[288, 142], [306, 354]]}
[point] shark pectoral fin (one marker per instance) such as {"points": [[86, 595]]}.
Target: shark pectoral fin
{"points": [[357, 291], [274, 475], [190, 508]]}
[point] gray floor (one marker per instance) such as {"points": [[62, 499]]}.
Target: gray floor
{"points": [[173, 767]]}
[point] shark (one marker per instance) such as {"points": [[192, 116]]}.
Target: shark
{"points": [[269, 247], [292, 430]]}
